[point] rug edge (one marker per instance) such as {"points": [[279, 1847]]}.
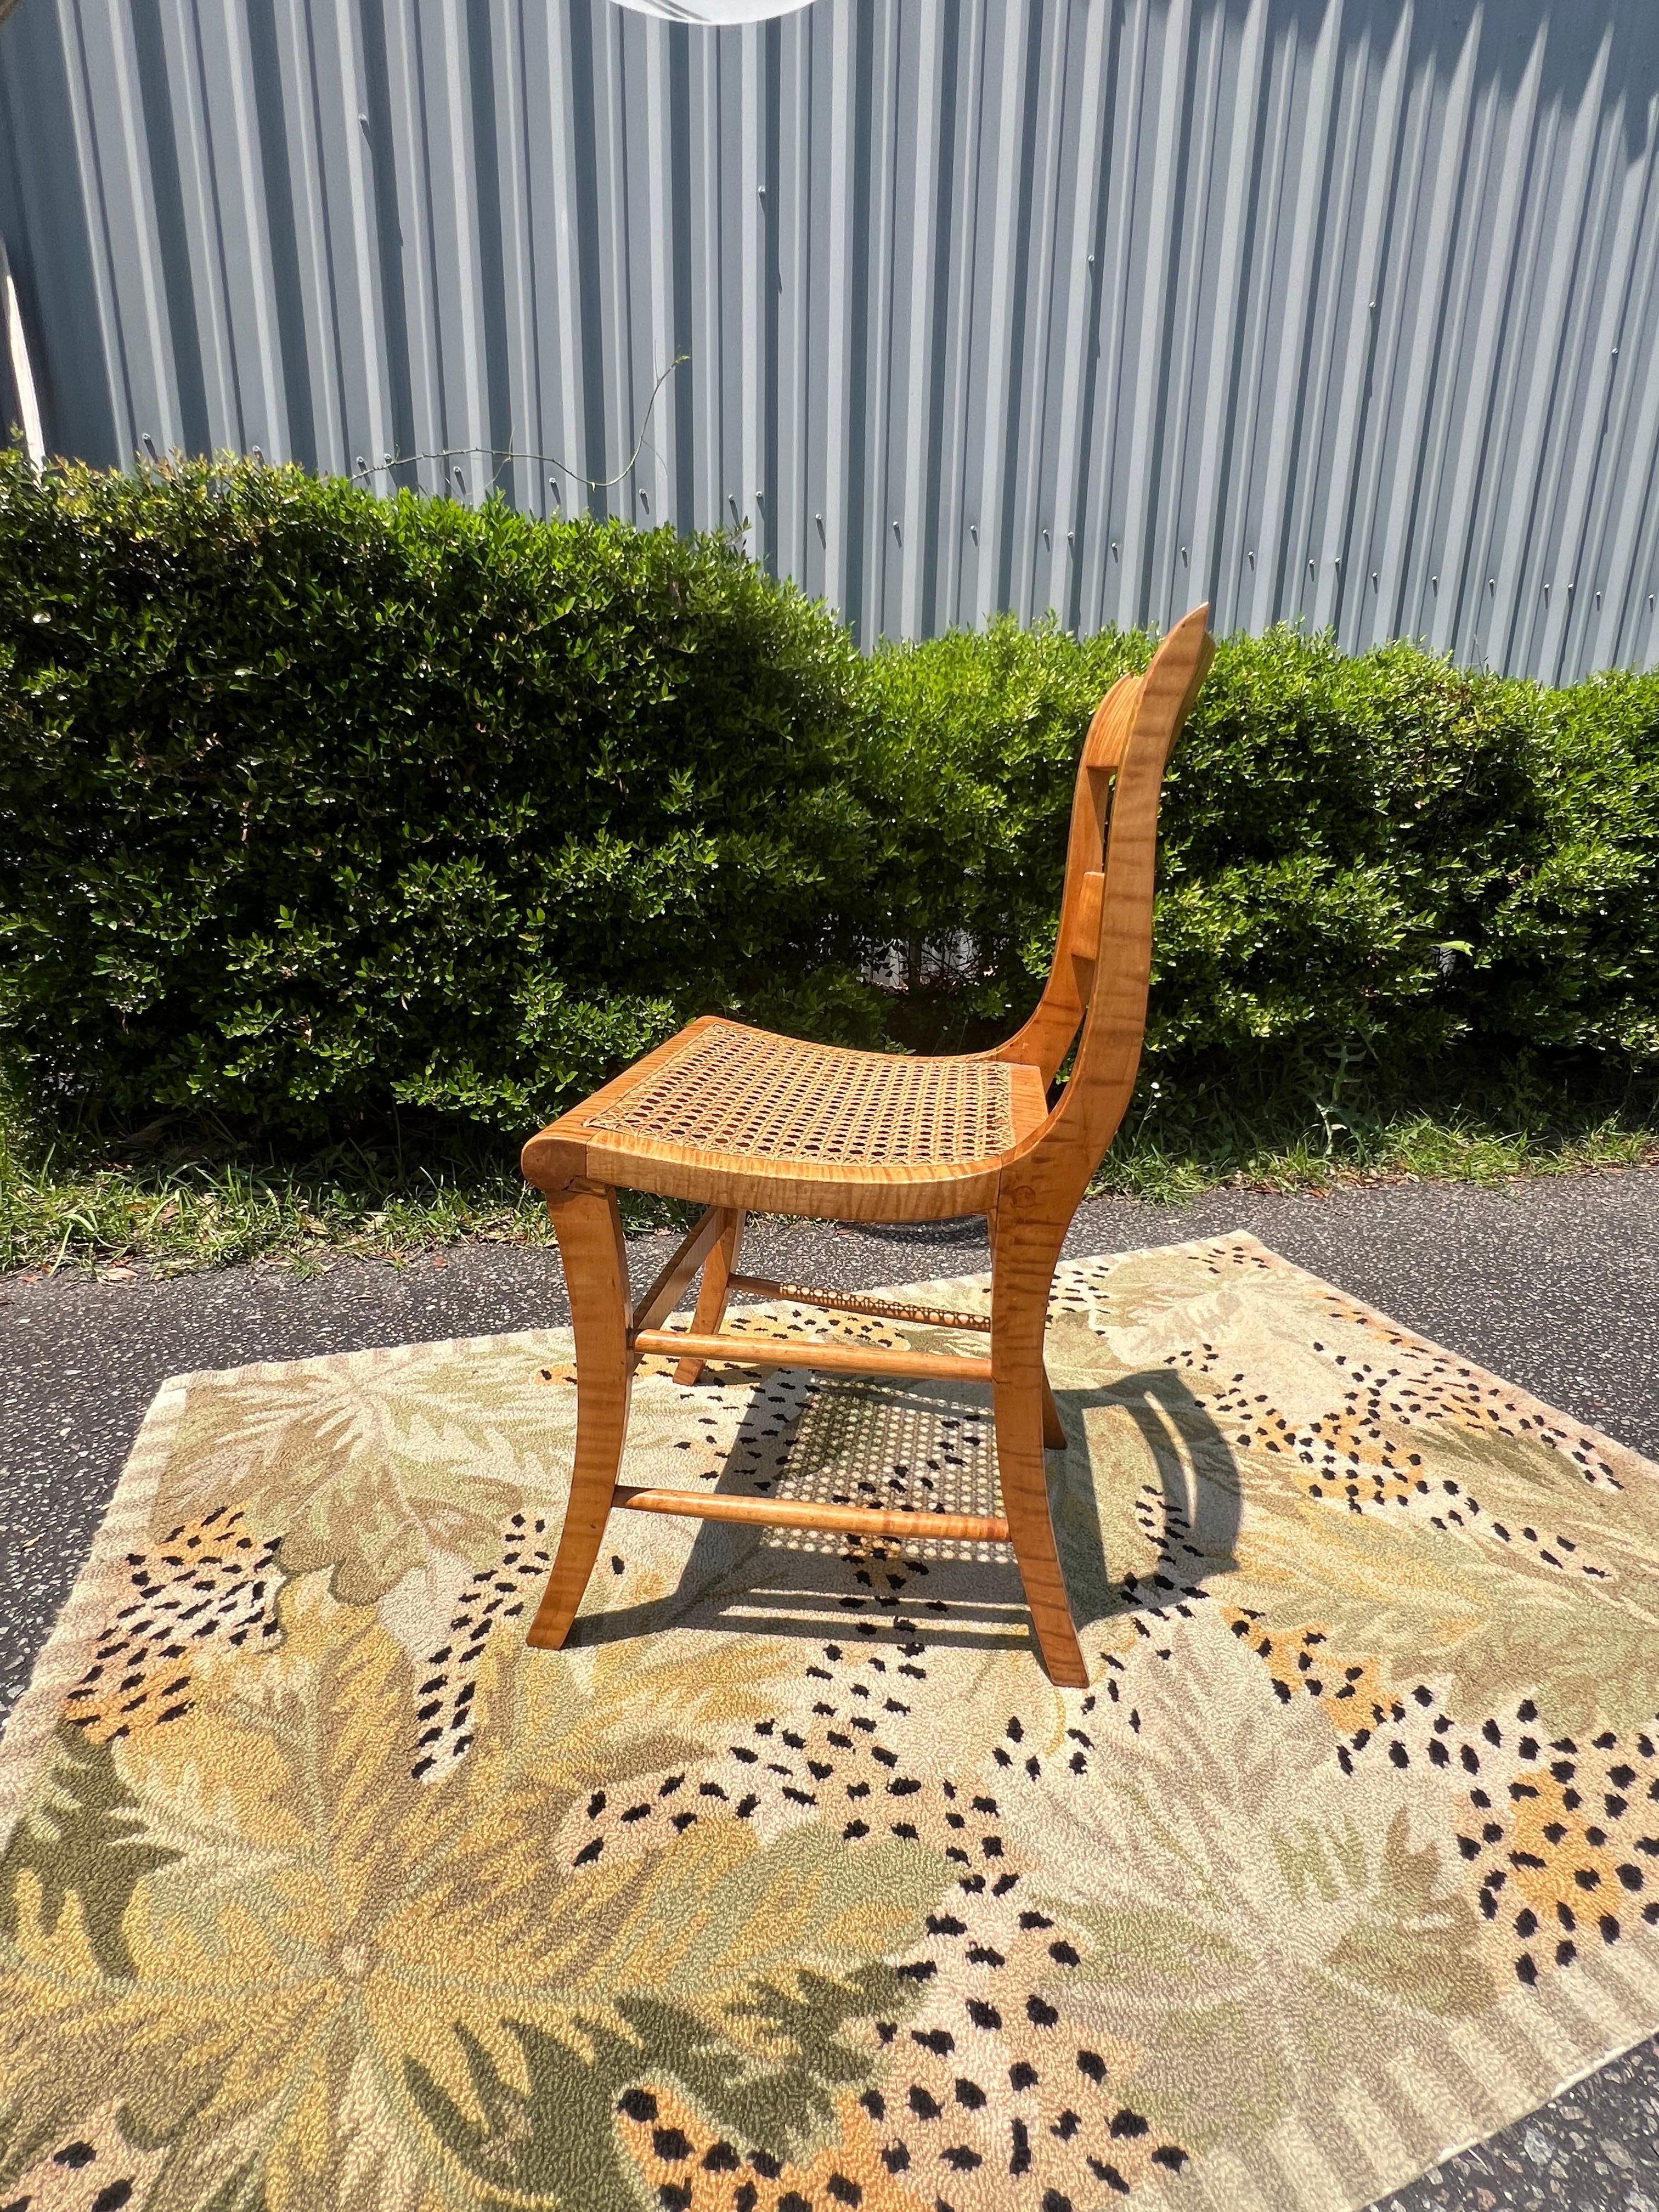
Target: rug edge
{"points": [[74, 1634], [1221, 1239], [27, 1733], [1231, 1239], [1598, 1437]]}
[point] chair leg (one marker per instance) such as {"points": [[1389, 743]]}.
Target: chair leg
{"points": [[1053, 1429], [717, 1272], [588, 1224], [1022, 1270]]}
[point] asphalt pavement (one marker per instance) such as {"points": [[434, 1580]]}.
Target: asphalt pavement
{"points": [[1552, 1282]]}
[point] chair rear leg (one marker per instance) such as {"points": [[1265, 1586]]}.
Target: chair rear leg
{"points": [[588, 1226], [1022, 1270], [1053, 1429], [717, 1272]]}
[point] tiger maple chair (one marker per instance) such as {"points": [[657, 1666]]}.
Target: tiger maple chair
{"points": [[742, 1119]]}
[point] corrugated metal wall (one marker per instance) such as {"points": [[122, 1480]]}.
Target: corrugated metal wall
{"points": [[1337, 309]]}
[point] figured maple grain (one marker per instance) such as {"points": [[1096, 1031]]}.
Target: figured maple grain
{"points": [[588, 1226], [805, 1351], [717, 1287], [736, 1120], [803, 1513]]}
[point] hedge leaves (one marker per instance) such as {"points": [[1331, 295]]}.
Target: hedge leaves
{"points": [[312, 804]]}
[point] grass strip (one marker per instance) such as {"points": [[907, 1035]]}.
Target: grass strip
{"points": [[166, 1205]]}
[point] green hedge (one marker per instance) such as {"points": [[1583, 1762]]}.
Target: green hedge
{"points": [[312, 803], [1362, 858]]}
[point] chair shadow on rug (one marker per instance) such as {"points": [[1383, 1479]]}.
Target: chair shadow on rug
{"points": [[1187, 1505], [931, 1448]]}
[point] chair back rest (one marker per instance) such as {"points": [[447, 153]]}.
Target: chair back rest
{"points": [[1103, 957], [1046, 1037]]}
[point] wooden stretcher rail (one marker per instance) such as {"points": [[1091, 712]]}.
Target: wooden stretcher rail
{"points": [[805, 1294], [801, 1351], [692, 1250], [798, 1513]]}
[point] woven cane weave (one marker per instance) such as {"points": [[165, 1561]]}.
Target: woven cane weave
{"points": [[738, 1090]]}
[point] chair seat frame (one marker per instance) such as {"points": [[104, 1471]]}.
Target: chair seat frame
{"points": [[1028, 1191]]}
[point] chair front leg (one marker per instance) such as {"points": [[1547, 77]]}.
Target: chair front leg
{"points": [[1023, 1266], [717, 1272], [588, 1226]]}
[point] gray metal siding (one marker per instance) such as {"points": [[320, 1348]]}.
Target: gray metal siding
{"points": [[1337, 310]]}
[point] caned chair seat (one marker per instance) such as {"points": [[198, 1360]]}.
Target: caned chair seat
{"points": [[721, 1096], [738, 1118]]}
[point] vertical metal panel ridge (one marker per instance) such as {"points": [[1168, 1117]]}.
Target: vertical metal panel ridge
{"points": [[1334, 312]]}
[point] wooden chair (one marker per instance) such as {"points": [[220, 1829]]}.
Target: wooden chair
{"points": [[742, 1121]]}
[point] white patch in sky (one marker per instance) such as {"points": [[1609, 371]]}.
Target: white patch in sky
{"points": [[714, 11]]}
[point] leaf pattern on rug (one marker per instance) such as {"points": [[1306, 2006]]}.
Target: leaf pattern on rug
{"points": [[331, 1922], [793, 1885], [83, 1838], [364, 1468], [1243, 1981], [1492, 1618]]}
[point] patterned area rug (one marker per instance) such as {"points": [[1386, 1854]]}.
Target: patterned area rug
{"points": [[794, 1884]]}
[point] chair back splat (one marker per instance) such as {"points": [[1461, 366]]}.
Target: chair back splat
{"points": [[1108, 950], [739, 1120], [1047, 1036]]}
